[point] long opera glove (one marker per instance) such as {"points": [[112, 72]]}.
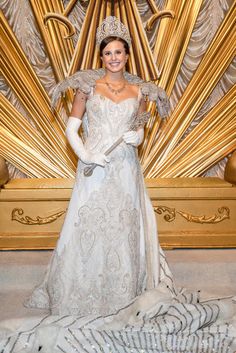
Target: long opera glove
{"points": [[77, 145]]}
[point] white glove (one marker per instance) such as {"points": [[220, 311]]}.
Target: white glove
{"points": [[134, 138], [76, 143]]}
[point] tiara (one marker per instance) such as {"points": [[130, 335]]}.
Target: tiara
{"points": [[111, 26]]}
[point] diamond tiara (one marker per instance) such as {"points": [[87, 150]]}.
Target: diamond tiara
{"points": [[111, 26]]}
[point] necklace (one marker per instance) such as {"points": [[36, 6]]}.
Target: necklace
{"points": [[115, 91]]}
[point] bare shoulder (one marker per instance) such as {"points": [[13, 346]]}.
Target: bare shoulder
{"points": [[134, 89], [100, 81]]}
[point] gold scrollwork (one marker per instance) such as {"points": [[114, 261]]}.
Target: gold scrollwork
{"points": [[63, 20], [16, 212], [224, 213], [170, 216], [157, 14]]}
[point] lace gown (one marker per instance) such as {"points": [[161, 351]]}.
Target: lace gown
{"points": [[107, 253]]}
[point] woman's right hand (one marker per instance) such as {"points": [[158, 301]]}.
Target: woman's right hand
{"points": [[134, 138]]}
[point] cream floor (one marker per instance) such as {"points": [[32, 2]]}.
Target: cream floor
{"points": [[210, 270]]}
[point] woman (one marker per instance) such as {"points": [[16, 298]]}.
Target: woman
{"points": [[107, 261], [107, 253]]}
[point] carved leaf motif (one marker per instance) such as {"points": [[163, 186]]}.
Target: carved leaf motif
{"points": [[170, 216], [224, 213], [16, 212]]}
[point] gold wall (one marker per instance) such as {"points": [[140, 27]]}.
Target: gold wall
{"points": [[185, 46]]}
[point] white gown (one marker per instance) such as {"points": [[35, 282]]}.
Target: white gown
{"points": [[107, 255]]}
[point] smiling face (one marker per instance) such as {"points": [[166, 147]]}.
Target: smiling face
{"points": [[114, 56]]}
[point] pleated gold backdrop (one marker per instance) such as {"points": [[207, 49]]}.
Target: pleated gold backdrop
{"points": [[185, 46]]}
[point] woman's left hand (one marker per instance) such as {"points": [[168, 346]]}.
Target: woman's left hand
{"points": [[134, 138]]}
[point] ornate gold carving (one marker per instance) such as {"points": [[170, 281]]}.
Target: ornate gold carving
{"points": [[16, 212], [63, 20], [59, 51], [207, 142], [157, 14], [48, 125], [215, 61], [224, 213], [170, 216], [168, 57]]}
